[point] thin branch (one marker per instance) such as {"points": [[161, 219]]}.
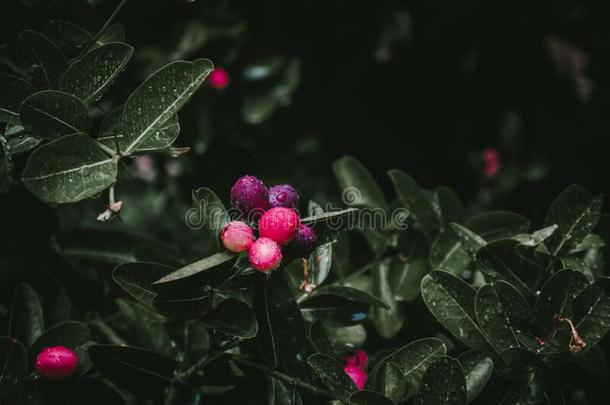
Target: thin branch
{"points": [[101, 30]]}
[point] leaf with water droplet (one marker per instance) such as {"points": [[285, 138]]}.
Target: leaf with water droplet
{"points": [[443, 383], [478, 369]]}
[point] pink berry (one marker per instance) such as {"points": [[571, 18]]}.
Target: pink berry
{"points": [[237, 236], [56, 363], [219, 78], [359, 359], [491, 157], [265, 254], [279, 224], [283, 195], [357, 374], [250, 196]]}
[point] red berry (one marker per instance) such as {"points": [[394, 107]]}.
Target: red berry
{"points": [[56, 363], [491, 157], [250, 196], [265, 254], [237, 236], [219, 78], [279, 224], [357, 374]]}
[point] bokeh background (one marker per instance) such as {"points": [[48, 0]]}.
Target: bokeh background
{"points": [[427, 86]]}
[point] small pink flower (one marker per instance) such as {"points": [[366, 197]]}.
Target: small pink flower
{"points": [[237, 236], [357, 375], [265, 254], [219, 78], [491, 157], [279, 224], [56, 363]]}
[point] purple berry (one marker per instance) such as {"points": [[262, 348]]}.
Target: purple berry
{"points": [[250, 196], [303, 243], [283, 195]]}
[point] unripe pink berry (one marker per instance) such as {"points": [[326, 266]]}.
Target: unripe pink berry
{"points": [[357, 374], [56, 363], [237, 236], [265, 254], [279, 224], [219, 78]]}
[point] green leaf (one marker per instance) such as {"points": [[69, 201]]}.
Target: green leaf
{"points": [[496, 225], [182, 308], [39, 50], [161, 139], [50, 114], [592, 312], [577, 212], [232, 317], [556, 299], [208, 212], [114, 33], [13, 90], [536, 237], [6, 166], [358, 187], [416, 201], [345, 338], [478, 369], [388, 320], [471, 242], [14, 365], [329, 225], [405, 278], [448, 254], [147, 326], [19, 143], [502, 311], [443, 383], [27, 319], [69, 169], [451, 301], [500, 260], [332, 375], [201, 271], [319, 339], [90, 76], [365, 397], [414, 358], [450, 205], [390, 381], [70, 334], [142, 371], [590, 242], [282, 393], [281, 331], [91, 391], [156, 100], [137, 278]]}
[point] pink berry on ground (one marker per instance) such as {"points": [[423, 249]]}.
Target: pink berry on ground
{"points": [[237, 236], [265, 254], [357, 374], [219, 78], [56, 363], [279, 224]]}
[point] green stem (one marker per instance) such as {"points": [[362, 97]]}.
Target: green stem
{"points": [[101, 30], [109, 151]]}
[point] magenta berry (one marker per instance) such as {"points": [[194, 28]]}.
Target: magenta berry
{"points": [[250, 196], [56, 363], [303, 243], [357, 374], [279, 224], [359, 359], [265, 254], [237, 236], [219, 78], [283, 195]]}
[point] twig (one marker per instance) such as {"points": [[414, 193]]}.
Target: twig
{"points": [[101, 30], [109, 151]]}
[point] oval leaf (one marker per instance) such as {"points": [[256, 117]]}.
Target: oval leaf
{"points": [[232, 317], [39, 50], [358, 187], [389, 318], [13, 90], [443, 383], [27, 320], [136, 279], [332, 375], [496, 225], [478, 369], [390, 381], [200, 271], [14, 365]]}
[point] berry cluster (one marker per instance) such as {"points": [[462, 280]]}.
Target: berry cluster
{"points": [[279, 226]]}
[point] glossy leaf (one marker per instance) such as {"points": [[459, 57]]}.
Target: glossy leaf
{"points": [[345, 338], [232, 317], [443, 383], [52, 114], [20, 143], [14, 365], [209, 212], [450, 205], [390, 381], [478, 369], [389, 319], [366, 397], [27, 319], [147, 326], [13, 90], [69, 169], [471, 242], [332, 375], [502, 311], [201, 270], [137, 278], [536, 237], [448, 254], [320, 263], [358, 187], [576, 211], [140, 370], [405, 278], [416, 201], [39, 50], [281, 331], [496, 225], [183, 308], [158, 99], [414, 358], [592, 312], [451, 301], [90, 76]]}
